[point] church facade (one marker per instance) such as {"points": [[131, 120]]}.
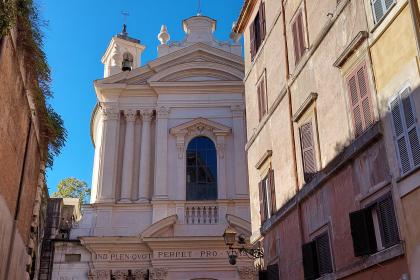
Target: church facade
{"points": [[169, 170]]}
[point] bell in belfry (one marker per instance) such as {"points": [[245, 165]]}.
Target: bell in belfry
{"points": [[127, 63]]}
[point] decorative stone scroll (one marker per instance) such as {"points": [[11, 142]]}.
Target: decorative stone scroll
{"points": [[158, 273], [248, 273]]}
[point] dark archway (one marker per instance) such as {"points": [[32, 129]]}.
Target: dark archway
{"points": [[201, 179]]}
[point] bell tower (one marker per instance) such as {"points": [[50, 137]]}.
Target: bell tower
{"points": [[123, 54]]}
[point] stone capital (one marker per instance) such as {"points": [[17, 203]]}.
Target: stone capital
{"points": [[130, 115], [163, 112], [146, 114], [238, 111], [110, 113]]}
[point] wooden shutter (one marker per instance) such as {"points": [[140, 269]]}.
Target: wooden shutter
{"points": [[273, 206], [252, 42], [308, 151], [262, 22], [296, 42], [388, 222], [378, 9], [360, 100], [363, 232], [273, 272], [262, 197], [310, 261], [324, 254], [298, 37], [262, 102], [406, 132]]}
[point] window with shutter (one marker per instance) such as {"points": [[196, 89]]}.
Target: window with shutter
{"points": [[257, 31], [317, 260], [308, 151], [380, 7], [360, 100], [362, 232], [273, 206], [262, 98], [387, 222], [406, 131], [298, 37], [324, 254], [263, 203], [310, 261]]}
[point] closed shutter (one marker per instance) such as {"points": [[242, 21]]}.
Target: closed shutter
{"points": [[324, 254], [388, 222], [262, 21], [380, 7], [262, 102], [406, 132], [308, 151], [310, 262], [252, 42], [298, 37], [273, 272], [361, 103], [273, 206], [363, 232], [262, 198]]}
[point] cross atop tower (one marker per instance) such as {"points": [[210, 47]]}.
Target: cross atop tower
{"points": [[199, 8]]}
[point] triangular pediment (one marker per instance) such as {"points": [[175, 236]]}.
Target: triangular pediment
{"points": [[200, 124]]}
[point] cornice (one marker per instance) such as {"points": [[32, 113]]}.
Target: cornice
{"points": [[244, 16]]}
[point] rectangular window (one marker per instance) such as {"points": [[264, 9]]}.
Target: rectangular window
{"points": [[360, 99], [308, 151], [406, 131], [262, 98], [267, 196], [298, 37], [374, 228], [257, 31], [317, 260], [380, 7]]}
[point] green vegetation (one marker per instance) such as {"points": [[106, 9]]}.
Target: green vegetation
{"points": [[72, 187], [23, 15]]}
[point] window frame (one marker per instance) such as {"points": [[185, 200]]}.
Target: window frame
{"points": [[385, 10], [302, 150], [312, 248], [299, 39], [267, 190], [262, 96], [258, 31]]}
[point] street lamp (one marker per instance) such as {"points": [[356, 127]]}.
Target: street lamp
{"points": [[230, 239]]}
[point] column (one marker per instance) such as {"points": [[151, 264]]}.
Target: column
{"points": [[161, 155], [109, 150], [128, 159], [145, 153], [241, 189]]}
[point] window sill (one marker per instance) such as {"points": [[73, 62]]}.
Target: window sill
{"points": [[409, 182], [377, 24], [372, 260]]}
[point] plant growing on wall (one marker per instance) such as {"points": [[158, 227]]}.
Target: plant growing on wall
{"points": [[74, 188]]}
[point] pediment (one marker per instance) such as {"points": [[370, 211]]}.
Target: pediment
{"points": [[200, 124], [162, 228]]}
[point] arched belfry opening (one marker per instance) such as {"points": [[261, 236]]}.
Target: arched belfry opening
{"points": [[201, 177], [127, 62]]}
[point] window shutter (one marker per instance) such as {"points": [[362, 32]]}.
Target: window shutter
{"points": [[362, 232], [273, 206], [296, 41], [388, 4], [310, 262], [388, 222], [360, 100], [308, 151], [262, 21], [262, 201], [324, 254], [259, 101], [252, 40], [378, 9], [262, 102], [273, 272], [406, 133], [301, 34]]}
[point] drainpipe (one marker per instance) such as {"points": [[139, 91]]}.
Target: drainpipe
{"points": [[414, 9], [289, 97], [17, 208]]}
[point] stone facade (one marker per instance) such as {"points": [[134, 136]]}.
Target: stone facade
{"points": [[347, 163], [23, 191], [143, 221]]}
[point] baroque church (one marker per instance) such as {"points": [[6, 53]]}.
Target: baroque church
{"points": [[169, 172]]}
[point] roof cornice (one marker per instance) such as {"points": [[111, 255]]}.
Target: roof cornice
{"points": [[244, 16]]}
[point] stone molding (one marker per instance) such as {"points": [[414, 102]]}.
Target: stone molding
{"points": [[99, 275], [163, 112], [146, 114]]}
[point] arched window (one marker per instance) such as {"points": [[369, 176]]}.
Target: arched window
{"points": [[201, 169]]}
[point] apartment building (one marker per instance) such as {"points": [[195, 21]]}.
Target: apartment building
{"points": [[333, 180]]}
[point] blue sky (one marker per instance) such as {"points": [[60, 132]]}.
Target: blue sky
{"points": [[78, 34]]}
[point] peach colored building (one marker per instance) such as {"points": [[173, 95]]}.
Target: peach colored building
{"points": [[323, 166]]}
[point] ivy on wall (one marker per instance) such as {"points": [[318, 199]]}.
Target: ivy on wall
{"points": [[23, 15]]}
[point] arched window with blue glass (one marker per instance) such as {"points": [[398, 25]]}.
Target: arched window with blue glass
{"points": [[201, 169]]}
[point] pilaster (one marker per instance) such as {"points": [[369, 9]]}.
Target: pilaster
{"points": [[107, 176], [128, 162], [161, 155], [145, 154], [241, 186]]}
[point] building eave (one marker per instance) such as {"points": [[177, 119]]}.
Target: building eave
{"points": [[244, 16]]}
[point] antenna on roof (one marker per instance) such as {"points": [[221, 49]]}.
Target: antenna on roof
{"points": [[199, 8]]}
